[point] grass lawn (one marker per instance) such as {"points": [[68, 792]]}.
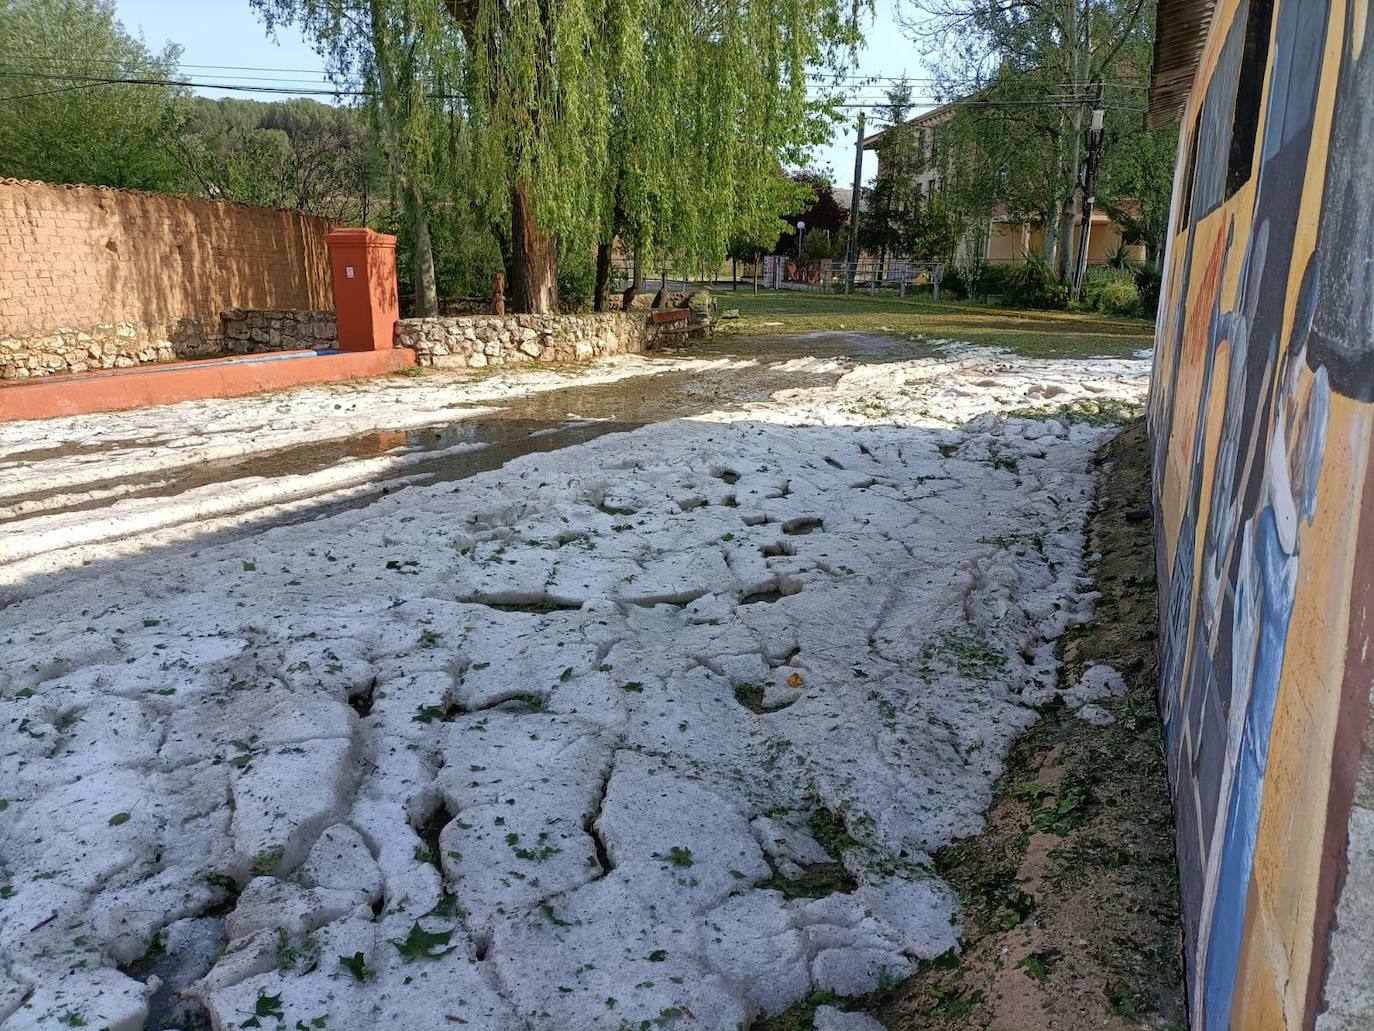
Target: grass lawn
{"points": [[1035, 334]]}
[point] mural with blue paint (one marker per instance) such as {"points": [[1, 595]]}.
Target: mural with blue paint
{"points": [[1262, 430]]}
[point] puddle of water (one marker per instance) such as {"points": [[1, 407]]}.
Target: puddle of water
{"points": [[40, 454], [863, 348], [540, 422]]}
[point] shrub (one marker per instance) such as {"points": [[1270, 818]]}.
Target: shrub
{"points": [[1148, 281], [1117, 296], [1142, 275], [821, 246], [995, 279], [1111, 291], [576, 280], [1034, 284], [1120, 258], [965, 281]]}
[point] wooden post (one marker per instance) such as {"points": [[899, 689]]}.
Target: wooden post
{"points": [[498, 294]]}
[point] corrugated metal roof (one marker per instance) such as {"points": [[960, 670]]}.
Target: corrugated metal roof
{"points": [[1180, 36]]}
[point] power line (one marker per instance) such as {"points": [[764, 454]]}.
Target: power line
{"points": [[51, 92], [66, 59], [22, 70], [991, 104], [140, 81], [861, 76], [80, 81], [10, 72], [1064, 89], [61, 60], [915, 101]]}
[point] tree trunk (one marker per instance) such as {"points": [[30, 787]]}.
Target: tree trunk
{"points": [[534, 260], [636, 281], [1050, 221], [1079, 68], [603, 276], [426, 289], [1067, 236], [393, 121]]}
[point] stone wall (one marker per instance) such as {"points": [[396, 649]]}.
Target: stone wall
{"points": [[122, 345], [253, 330], [477, 341], [108, 345], [92, 277]]}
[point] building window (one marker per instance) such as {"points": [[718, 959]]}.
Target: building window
{"points": [[1189, 175], [1249, 91]]}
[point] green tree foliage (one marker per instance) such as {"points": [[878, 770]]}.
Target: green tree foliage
{"points": [[1137, 185], [667, 120], [814, 205], [1026, 71], [67, 132], [1004, 159], [563, 124], [766, 233], [297, 154], [899, 217], [518, 130], [397, 51]]}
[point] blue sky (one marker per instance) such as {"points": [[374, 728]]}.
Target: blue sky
{"points": [[229, 32]]}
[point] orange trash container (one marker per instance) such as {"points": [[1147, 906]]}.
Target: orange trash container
{"points": [[365, 303]]}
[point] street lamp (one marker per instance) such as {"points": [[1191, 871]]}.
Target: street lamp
{"points": [[801, 226]]}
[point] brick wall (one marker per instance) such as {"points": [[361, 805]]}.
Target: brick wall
{"points": [[153, 269]]}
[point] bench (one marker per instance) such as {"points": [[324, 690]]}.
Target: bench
{"points": [[670, 320]]}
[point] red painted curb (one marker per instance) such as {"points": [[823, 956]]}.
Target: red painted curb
{"points": [[115, 389]]}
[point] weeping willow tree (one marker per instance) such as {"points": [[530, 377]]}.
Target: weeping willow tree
{"points": [[397, 53], [566, 123], [664, 121]]}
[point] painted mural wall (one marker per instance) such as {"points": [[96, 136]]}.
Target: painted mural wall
{"points": [[1262, 422]]}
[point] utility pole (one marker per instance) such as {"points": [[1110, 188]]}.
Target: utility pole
{"points": [[1090, 187], [851, 250]]}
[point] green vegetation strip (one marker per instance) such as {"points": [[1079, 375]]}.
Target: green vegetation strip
{"points": [[1030, 333]]}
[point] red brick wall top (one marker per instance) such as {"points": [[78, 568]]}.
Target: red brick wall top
{"points": [[78, 256]]}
